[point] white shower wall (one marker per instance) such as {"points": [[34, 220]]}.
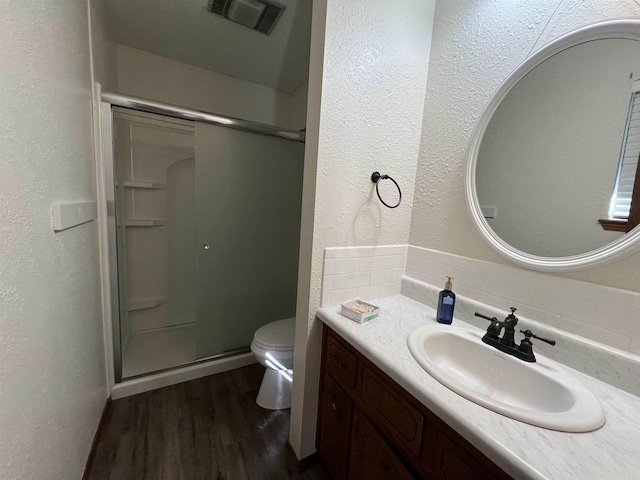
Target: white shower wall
{"points": [[155, 200]]}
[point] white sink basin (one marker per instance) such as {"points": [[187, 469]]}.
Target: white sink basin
{"points": [[541, 393]]}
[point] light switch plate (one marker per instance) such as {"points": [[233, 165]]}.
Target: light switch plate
{"points": [[67, 215]]}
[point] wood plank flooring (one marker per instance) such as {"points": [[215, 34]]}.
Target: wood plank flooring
{"points": [[209, 428]]}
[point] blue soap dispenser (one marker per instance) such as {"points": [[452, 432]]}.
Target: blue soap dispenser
{"points": [[446, 302]]}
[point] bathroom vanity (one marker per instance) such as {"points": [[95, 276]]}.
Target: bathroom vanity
{"points": [[365, 418], [382, 416]]}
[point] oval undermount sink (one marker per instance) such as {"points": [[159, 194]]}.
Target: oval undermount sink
{"points": [[541, 393]]}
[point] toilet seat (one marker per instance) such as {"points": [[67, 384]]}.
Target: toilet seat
{"points": [[276, 336]]}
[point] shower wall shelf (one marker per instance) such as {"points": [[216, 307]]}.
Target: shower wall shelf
{"points": [[136, 184], [147, 303], [144, 223]]}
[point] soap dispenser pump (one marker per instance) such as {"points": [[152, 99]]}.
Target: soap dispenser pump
{"points": [[446, 302]]}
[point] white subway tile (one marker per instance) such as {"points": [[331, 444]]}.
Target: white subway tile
{"points": [[438, 269], [601, 294], [338, 282], [416, 263], [417, 251], [542, 280], [613, 339], [341, 252], [359, 252], [470, 279], [340, 296], [565, 305], [476, 294], [369, 264], [539, 315], [327, 287], [397, 274], [388, 289], [497, 302], [618, 320], [516, 292], [359, 279], [369, 292], [393, 261], [346, 265], [329, 253], [493, 269], [461, 290], [381, 276], [391, 250], [423, 277], [328, 267], [450, 259]]}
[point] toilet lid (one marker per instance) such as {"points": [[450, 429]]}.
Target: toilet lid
{"points": [[278, 335]]}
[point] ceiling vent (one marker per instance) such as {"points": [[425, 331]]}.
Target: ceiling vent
{"points": [[260, 15]]}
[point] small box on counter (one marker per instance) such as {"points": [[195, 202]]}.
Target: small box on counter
{"points": [[359, 311]]}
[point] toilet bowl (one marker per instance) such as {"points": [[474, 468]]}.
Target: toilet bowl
{"points": [[272, 346]]}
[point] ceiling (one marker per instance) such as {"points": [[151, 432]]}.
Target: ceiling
{"points": [[186, 31]]}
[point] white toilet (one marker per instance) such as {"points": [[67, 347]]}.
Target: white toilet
{"points": [[272, 346]]}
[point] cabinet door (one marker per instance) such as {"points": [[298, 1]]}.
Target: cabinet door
{"points": [[371, 458], [455, 462], [334, 428]]}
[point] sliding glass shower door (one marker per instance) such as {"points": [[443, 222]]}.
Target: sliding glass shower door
{"points": [[207, 233], [248, 205]]}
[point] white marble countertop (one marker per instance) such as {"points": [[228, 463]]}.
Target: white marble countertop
{"points": [[521, 450]]}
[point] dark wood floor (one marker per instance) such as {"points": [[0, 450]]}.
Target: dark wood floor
{"points": [[209, 428]]}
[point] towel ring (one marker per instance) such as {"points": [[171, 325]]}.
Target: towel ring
{"points": [[375, 178]]}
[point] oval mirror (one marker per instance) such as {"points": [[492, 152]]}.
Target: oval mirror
{"points": [[544, 160]]}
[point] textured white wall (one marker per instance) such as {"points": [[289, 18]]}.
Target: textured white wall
{"points": [[146, 75], [476, 45], [51, 360], [373, 83], [103, 47]]}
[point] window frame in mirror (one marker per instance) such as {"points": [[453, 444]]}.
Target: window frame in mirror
{"points": [[627, 244]]}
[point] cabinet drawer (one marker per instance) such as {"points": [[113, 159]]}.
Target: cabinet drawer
{"points": [[340, 362], [393, 415]]}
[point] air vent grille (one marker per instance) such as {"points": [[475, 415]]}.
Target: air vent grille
{"points": [[260, 15]]}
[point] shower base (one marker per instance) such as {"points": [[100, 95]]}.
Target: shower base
{"points": [[154, 350]]}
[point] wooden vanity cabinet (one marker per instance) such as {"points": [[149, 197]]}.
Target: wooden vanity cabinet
{"points": [[371, 428]]}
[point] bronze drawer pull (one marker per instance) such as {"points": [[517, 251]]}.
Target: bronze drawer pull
{"points": [[337, 362]]}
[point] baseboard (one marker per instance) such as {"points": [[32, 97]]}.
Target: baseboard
{"points": [[179, 375], [304, 463], [96, 436]]}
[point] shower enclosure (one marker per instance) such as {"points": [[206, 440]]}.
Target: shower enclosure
{"points": [[207, 227]]}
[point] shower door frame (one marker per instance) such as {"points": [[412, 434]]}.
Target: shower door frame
{"points": [[107, 101]]}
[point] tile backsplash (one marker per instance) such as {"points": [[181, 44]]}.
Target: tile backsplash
{"points": [[607, 315], [363, 272]]}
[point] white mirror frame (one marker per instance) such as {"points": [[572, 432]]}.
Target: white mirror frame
{"points": [[625, 245]]}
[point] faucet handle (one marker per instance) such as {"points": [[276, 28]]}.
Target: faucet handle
{"points": [[491, 319], [494, 329], [528, 334]]}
